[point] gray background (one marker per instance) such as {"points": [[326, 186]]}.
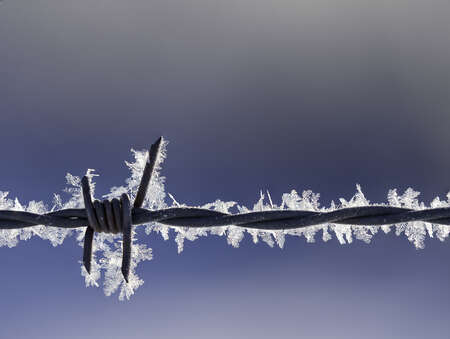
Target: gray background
{"points": [[252, 95]]}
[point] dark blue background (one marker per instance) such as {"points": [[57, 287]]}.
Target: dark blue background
{"points": [[251, 95]]}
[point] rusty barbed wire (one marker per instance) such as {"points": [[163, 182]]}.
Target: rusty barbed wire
{"points": [[117, 216]]}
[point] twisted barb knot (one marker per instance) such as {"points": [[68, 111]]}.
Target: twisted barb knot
{"points": [[107, 217], [115, 216]]}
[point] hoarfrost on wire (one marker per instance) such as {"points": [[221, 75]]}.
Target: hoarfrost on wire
{"points": [[107, 248]]}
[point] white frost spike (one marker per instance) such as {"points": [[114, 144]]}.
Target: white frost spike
{"points": [[326, 236], [107, 250], [279, 238]]}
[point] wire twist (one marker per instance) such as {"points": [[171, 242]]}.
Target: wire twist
{"points": [[107, 217], [115, 216]]}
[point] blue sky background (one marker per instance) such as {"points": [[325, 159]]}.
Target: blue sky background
{"points": [[251, 95]]}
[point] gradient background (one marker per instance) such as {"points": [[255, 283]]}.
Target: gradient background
{"points": [[251, 94]]}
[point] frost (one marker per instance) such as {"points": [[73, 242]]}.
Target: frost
{"points": [[107, 248]]}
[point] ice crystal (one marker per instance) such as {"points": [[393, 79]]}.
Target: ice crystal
{"points": [[107, 248]]}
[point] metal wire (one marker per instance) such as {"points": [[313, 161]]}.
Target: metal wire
{"points": [[118, 217]]}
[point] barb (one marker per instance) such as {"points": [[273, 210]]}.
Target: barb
{"points": [[118, 216], [115, 216]]}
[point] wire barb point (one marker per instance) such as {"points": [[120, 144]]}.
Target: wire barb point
{"points": [[115, 216]]}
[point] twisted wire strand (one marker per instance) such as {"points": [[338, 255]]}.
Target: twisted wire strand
{"points": [[117, 216], [264, 220]]}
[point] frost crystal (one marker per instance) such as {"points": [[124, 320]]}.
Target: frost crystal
{"points": [[107, 250]]}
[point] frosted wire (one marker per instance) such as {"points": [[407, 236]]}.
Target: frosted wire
{"points": [[107, 250]]}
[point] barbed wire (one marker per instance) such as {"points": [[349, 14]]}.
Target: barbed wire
{"points": [[117, 216]]}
